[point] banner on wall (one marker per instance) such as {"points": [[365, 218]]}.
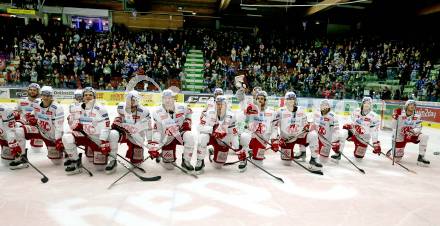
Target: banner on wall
{"points": [[429, 111]]}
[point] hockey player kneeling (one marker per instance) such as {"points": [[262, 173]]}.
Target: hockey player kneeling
{"points": [[90, 128], [409, 130], [364, 126], [45, 123], [172, 127], [263, 127], [25, 108], [295, 129], [217, 128], [132, 126], [9, 144]]}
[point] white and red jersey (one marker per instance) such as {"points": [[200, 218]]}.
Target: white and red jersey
{"points": [[137, 124], [94, 120], [50, 120], [210, 122], [170, 125], [292, 124], [327, 125], [365, 126], [74, 111], [25, 106], [7, 124], [263, 124], [407, 125]]}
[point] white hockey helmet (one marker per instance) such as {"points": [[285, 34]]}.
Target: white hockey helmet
{"points": [[133, 95], [367, 99], [89, 89], [168, 93], [47, 91], [290, 95], [408, 102], [34, 86], [224, 104], [324, 106], [324, 103], [218, 91], [220, 98], [262, 93]]}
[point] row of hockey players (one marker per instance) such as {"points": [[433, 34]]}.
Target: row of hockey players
{"points": [[280, 130], [42, 121]]}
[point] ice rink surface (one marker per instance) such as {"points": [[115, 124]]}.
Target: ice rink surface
{"points": [[385, 195]]}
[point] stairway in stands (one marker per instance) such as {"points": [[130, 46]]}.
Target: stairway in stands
{"points": [[194, 71]]}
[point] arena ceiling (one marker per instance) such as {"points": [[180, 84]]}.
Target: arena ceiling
{"points": [[260, 8]]}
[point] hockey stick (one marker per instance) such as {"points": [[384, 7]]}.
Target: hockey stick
{"points": [[398, 163], [319, 172], [135, 166], [256, 165], [125, 174], [327, 141], [155, 178], [64, 151], [45, 179]]}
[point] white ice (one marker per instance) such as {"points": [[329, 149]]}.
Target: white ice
{"points": [[385, 195]]}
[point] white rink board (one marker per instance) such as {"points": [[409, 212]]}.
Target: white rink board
{"points": [[386, 195]]}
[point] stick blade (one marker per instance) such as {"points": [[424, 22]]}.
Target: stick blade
{"points": [[156, 178]]}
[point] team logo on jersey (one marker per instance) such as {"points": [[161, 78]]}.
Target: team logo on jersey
{"points": [[179, 115], [292, 129], [367, 119], [24, 104], [359, 129]]}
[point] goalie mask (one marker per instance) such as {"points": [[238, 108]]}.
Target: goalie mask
{"points": [[290, 101]]}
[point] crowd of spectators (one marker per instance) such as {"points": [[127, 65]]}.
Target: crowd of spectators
{"points": [[68, 58], [335, 68], [324, 67]]}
